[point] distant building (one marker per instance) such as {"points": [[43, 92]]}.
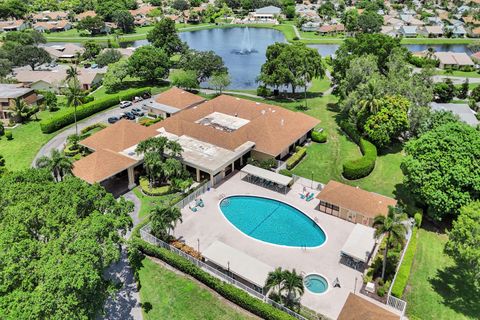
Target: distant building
{"points": [[310, 26], [408, 31], [172, 101], [13, 25], [55, 80], [431, 31], [68, 51], [453, 59], [463, 111], [50, 16], [85, 14], [52, 26], [8, 94], [266, 14]]}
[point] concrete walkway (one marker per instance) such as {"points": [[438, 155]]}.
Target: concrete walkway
{"points": [[125, 303]]}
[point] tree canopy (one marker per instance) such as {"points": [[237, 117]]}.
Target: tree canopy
{"points": [[203, 63], [149, 63], [56, 239], [442, 168], [164, 36]]}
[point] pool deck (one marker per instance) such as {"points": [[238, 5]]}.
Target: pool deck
{"points": [[209, 225]]}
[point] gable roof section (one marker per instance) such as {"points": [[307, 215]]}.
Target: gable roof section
{"points": [[118, 137], [178, 98], [101, 165], [367, 203], [358, 308]]}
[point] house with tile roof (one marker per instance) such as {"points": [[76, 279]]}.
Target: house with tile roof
{"points": [[453, 59], [216, 136], [172, 101], [431, 31], [13, 25], [52, 26], [8, 94], [352, 203]]}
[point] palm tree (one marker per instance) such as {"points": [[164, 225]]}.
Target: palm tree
{"points": [[292, 284], [57, 163], [370, 101], [164, 220], [22, 110], [392, 227], [274, 281], [72, 73], [75, 95]]}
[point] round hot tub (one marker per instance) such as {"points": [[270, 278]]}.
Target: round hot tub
{"points": [[315, 283]]}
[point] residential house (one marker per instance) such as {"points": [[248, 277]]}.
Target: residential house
{"points": [[352, 203], [434, 21], [411, 20], [431, 31], [389, 31], [172, 101], [67, 51], [476, 57], [216, 136], [266, 14], [474, 32], [462, 110], [393, 22], [141, 15], [331, 29], [310, 26], [13, 25], [408, 31], [453, 59], [55, 80], [457, 31], [83, 15], [52, 26], [8, 94], [49, 16]]}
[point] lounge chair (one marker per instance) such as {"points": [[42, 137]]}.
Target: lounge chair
{"points": [[310, 197], [302, 196], [194, 209], [200, 203]]}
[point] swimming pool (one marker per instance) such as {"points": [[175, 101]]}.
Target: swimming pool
{"points": [[315, 283], [272, 221]]}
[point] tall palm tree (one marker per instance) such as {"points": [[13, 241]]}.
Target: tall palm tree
{"points": [[274, 281], [72, 73], [164, 220], [392, 227], [293, 286], [22, 110], [75, 95], [370, 102], [57, 163]]}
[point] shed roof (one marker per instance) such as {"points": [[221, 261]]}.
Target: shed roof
{"points": [[178, 98], [267, 175], [353, 198], [360, 243]]}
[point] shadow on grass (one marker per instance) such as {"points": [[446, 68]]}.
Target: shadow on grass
{"points": [[146, 306], [457, 291]]}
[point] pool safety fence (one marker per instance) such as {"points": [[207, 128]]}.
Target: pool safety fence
{"points": [[194, 195], [146, 236]]}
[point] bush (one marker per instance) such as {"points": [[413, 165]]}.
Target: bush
{"points": [[421, 62], [228, 291], [263, 91], [88, 99], [155, 191], [406, 266], [320, 137], [286, 172], [128, 96], [93, 126], [381, 291], [9, 135], [71, 151], [296, 38], [148, 122], [359, 168], [296, 157], [66, 116], [418, 218]]}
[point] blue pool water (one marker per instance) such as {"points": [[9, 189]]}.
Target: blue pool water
{"points": [[315, 283], [272, 221]]}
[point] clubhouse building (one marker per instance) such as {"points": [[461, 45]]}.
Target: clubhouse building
{"points": [[217, 137]]}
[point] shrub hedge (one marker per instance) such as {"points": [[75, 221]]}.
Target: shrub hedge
{"points": [[361, 167], [9, 135], [286, 172], [296, 157], [320, 137], [67, 116], [228, 291], [159, 191], [405, 269]]}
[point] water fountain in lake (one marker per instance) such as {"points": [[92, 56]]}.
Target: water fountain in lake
{"points": [[246, 45]]}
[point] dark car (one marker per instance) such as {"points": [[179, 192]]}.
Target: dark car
{"points": [[138, 112], [112, 120], [128, 115]]}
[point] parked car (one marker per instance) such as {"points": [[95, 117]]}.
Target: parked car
{"points": [[137, 99], [125, 104], [138, 112], [112, 120], [128, 115], [146, 95]]}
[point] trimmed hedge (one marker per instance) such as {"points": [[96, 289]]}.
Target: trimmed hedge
{"points": [[228, 291], [361, 167], [296, 157], [159, 191], [67, 116], [286, 172], [320, 137], [405, 269]]}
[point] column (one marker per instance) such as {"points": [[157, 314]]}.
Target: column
{"points": [[212, 180], [241, 161], [131, 178], [198, 175], [233, 166]]}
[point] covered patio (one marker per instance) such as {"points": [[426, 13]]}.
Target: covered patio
{"points": [[267, 178], [358, 248]]}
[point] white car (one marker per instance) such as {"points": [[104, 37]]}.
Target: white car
{"points": [[125, 104]]}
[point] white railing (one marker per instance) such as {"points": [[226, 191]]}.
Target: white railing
{"points": [[195, 194], [145, 235], [396, 303]]}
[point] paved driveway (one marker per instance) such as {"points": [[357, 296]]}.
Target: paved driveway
{"points": [[58, 142]]}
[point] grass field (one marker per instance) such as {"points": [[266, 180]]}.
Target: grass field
{"points": [[148, 202], [436, 290], [27, 140], [457, 73], [167, 295]]}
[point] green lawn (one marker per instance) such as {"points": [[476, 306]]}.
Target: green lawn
{"points": [[436, 290], [27, 140], [148, 202], [457, 73], [167, 295]]}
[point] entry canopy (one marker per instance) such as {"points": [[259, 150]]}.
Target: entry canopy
{"points": [[238, 262], [360, 243], [267, 175]]}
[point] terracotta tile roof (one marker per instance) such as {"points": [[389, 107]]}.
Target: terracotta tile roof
{"points": [[143, 10], [357, 308], [51, 25], [117, 137], [178, 98], [367, 203], [475, 31], [85, 14], [10, 24], [50, 15], [56, 78], [101, 165], [272, 128]]}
